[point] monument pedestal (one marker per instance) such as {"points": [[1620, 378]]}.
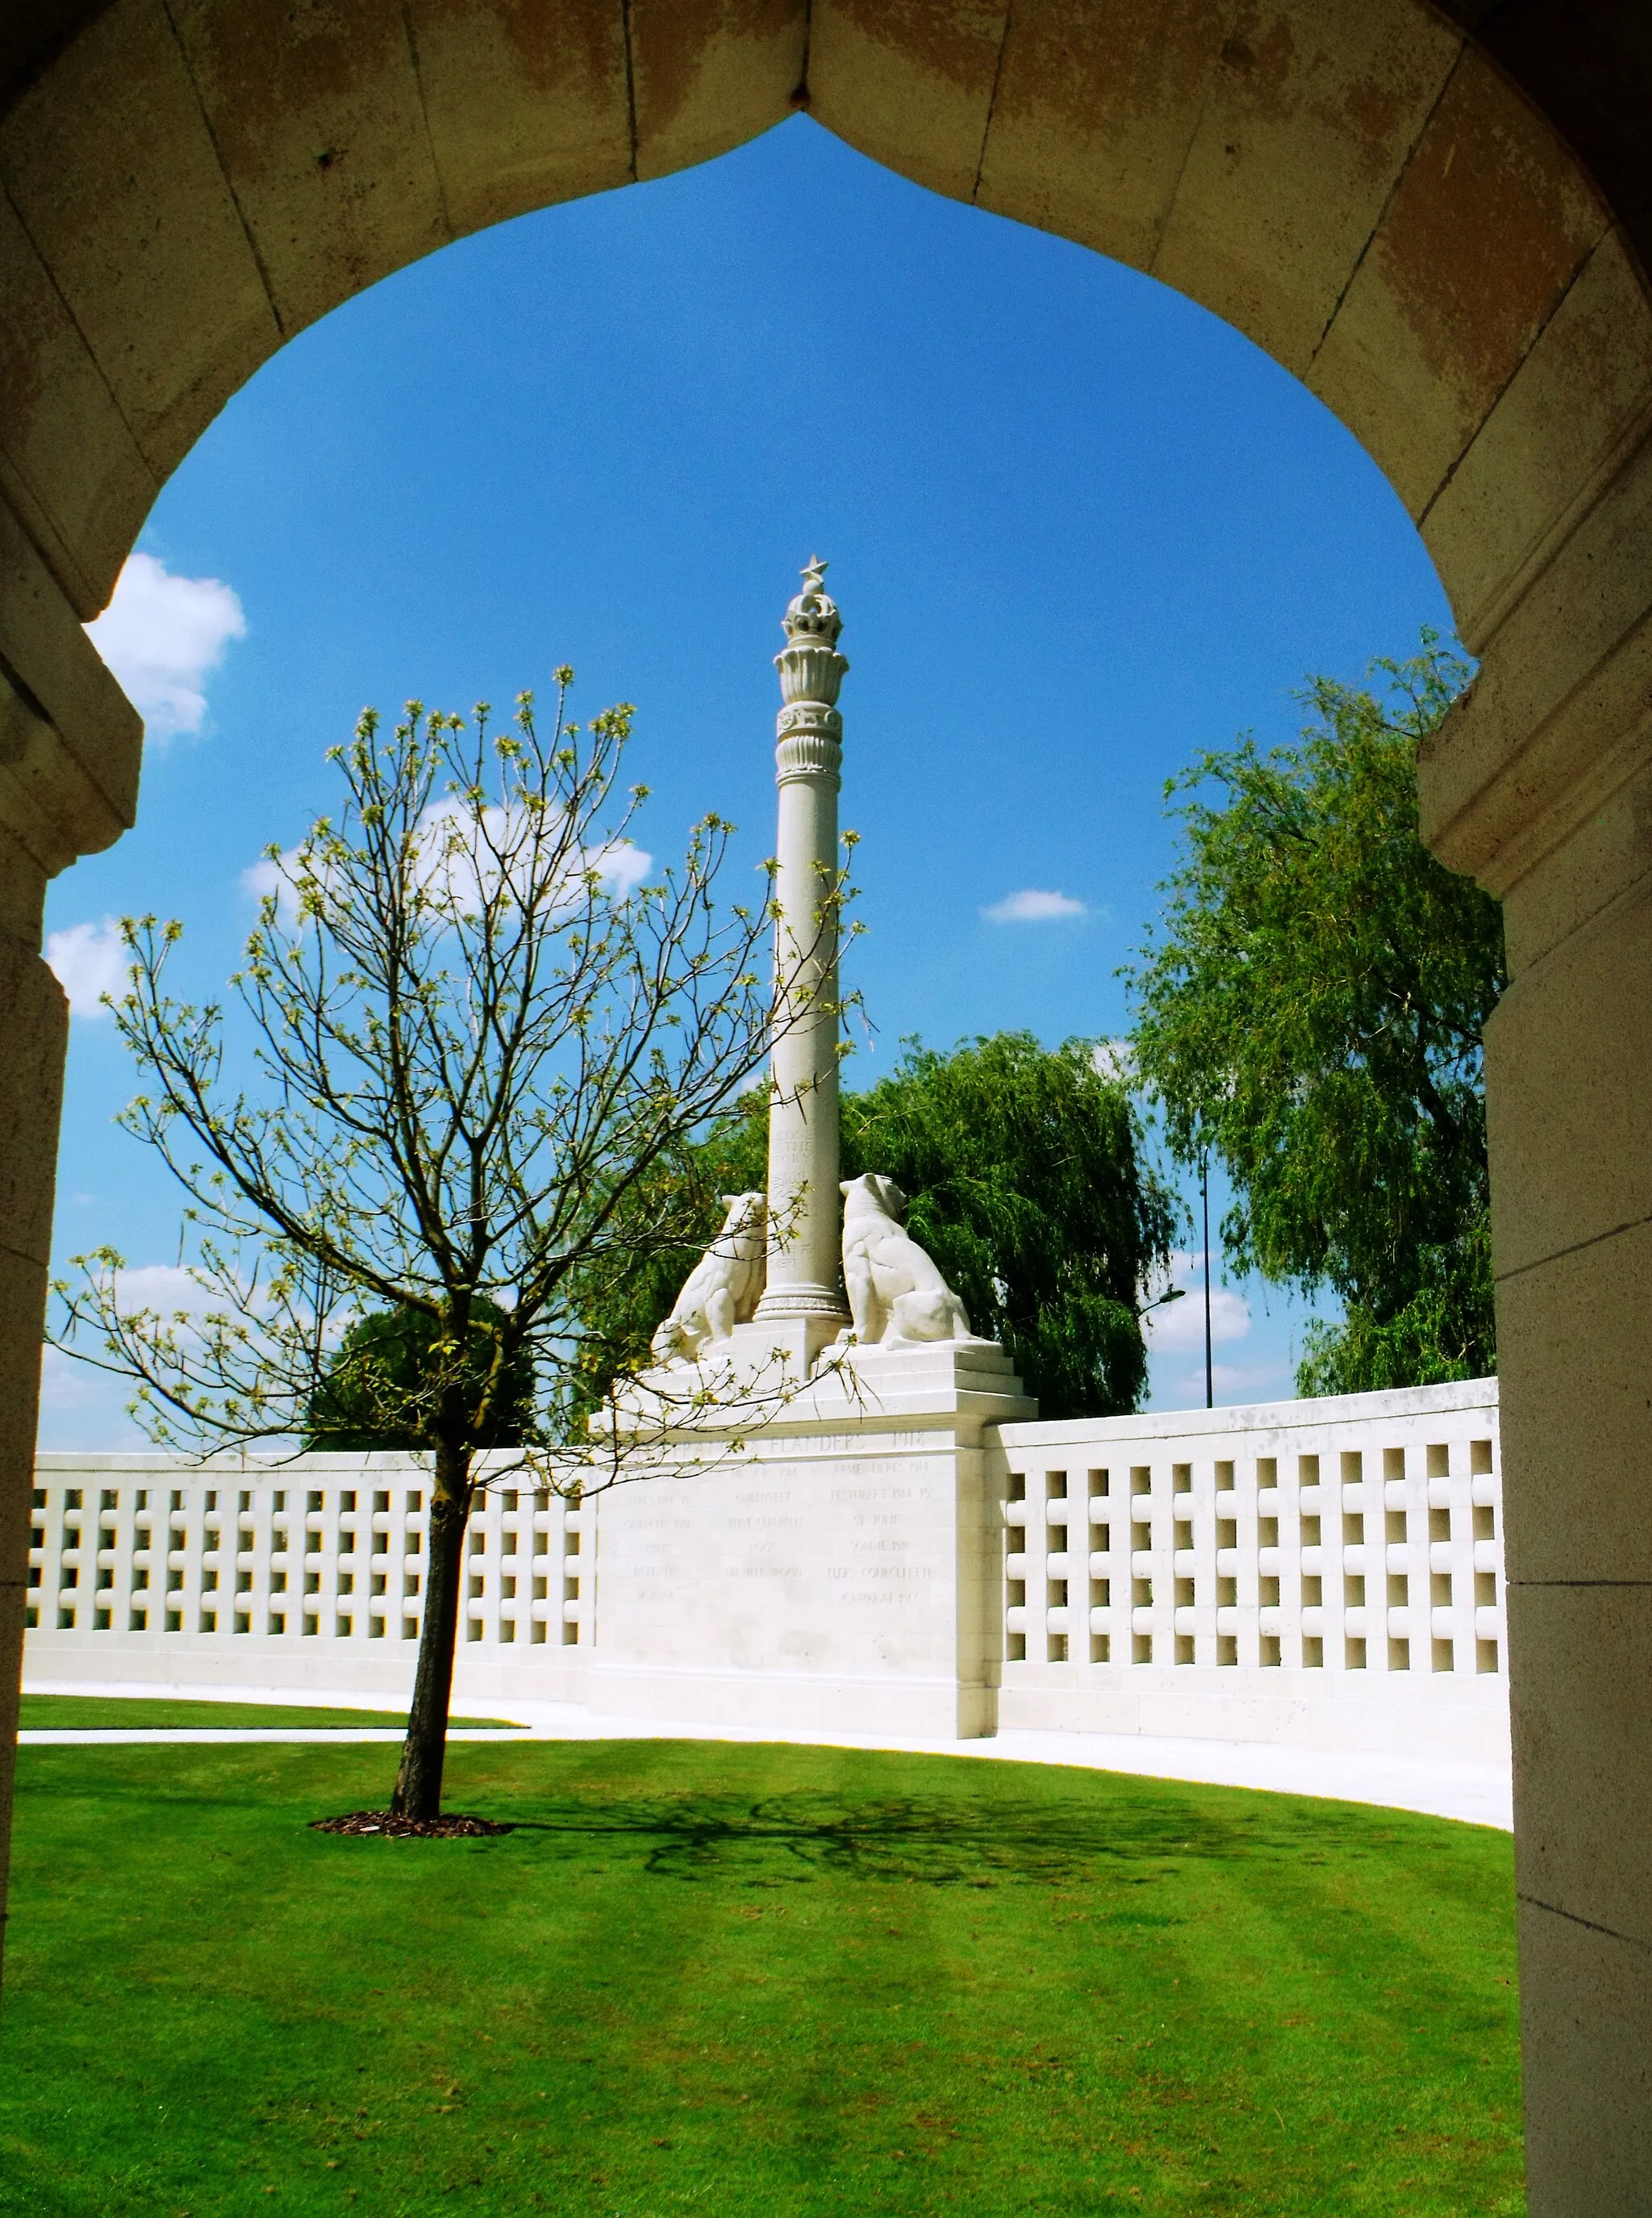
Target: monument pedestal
{"points": [[835, 1571]]}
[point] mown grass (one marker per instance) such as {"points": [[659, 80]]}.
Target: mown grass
{"points": [[148, 1713], [744, 1981]]}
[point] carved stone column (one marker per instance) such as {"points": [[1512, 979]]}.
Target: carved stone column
{"points": [[804, 1201]]}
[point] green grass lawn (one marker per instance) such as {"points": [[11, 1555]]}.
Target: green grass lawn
{"points": [[746, 1980], [141, 1714]]}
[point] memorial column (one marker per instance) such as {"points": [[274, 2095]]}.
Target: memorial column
{"points": [[804, 1208]]}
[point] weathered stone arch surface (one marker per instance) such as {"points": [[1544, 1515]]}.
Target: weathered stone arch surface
{"points": [[1361, 186]]}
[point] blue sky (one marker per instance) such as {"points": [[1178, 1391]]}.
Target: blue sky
{"points": [[1078, 530]]}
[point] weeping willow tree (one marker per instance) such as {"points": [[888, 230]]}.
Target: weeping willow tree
{"points": [[471, 1028], [1313, 1008]]}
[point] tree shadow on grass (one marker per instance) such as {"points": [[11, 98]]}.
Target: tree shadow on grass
{"points": [[933, 1841]]}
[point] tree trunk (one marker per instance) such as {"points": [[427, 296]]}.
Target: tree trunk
{"points": [[418, 1780]]}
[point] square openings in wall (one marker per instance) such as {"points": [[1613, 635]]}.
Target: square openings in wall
{"points": [[1444, 1656], [1399, 1655], [1438, 1457], [1142, 1648], [344, 1627], [1140, 1479], [1227, 1648], [1485, 1527], [1485, 1655], [1270, 1648], [1439, 1525], [1100, 1485], [1313, 1652], [1480, 1458], [1181, 1478], [1101, 1648], [1057, 1647], [100, 1620], [1184, 1648], [241, 1623]]}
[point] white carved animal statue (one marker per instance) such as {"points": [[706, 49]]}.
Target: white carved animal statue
{"points": [[723, 1288], [896, 1295]]}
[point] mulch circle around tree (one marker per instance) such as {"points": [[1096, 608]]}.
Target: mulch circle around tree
{"points": [[451, 1825]]}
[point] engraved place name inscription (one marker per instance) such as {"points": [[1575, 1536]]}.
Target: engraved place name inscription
{"points": [[904, 1571]]}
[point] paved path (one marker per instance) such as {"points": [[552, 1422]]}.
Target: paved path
{"points": [[1480, 1794]]}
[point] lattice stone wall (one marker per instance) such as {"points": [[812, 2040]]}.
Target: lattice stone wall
{"points": [[1327, 1573], [322, 1550], [1359, 1539]]}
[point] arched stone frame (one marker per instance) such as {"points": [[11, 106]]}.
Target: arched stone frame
{"points": [[186, 183]]}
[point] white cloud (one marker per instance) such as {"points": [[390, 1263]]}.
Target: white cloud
{"points": [[166, 1287], [1181, 1324], [161, 635], [446, 856], [90, 961], [1034, 905]]}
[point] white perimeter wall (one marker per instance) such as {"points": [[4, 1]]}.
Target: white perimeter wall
{"points": [[1326, 1573], [1323, 1574]]}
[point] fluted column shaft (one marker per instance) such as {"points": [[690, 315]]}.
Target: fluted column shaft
{"points": [[804, 1208]]}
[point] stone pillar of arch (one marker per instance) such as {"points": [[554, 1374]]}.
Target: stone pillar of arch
{"points": [[1360, 188]]}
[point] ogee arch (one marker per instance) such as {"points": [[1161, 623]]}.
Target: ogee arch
{"points": [[1357, 185]]}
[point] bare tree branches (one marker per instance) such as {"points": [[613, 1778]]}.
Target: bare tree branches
{"points": [[479, 1023]]}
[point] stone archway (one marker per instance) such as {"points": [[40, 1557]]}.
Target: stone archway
{"points": [[1360, 188]]}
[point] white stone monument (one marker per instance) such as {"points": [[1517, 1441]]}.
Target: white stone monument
{"points": [[802, 1288], [824, 1572]]}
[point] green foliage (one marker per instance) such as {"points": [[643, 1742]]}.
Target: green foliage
{"points": [[377, 1393], [757, 1982], [1026, 1185], [1313, 1013]]}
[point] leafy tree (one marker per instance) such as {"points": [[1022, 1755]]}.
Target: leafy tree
{"points": [[1026, 1185], [369, 1396], [1313, 1012], [479, 1027]]}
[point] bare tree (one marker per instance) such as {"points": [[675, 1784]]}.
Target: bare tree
{"points": [[478, 1028]]}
